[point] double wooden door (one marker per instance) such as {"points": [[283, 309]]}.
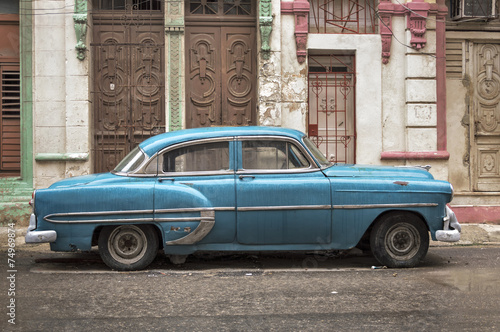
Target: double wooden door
{"points": [[220, 76], [129, 89]]}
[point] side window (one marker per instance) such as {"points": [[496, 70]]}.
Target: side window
{"points": [[197, 158], [264, 154]]}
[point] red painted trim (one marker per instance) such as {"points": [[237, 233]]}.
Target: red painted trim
{"points": [[287, 7], [477, 214], [396, 155], [299, 8], [441, 77]]}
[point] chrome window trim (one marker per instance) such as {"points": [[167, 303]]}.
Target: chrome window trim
{"points": [[321, 166], [188, 143], [137, 170]]}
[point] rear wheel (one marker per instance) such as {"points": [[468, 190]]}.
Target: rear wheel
{"points": [[128, 247], [399, 240]]}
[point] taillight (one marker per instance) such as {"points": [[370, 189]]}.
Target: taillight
{"points": [[32, 201]]}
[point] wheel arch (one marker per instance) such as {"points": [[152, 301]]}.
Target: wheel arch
{"points": [[156, 227], [365, 239]]}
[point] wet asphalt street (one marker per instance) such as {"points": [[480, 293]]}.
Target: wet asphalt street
{"points": [[454, 289]]}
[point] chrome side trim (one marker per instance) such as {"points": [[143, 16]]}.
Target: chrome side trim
{"points": [[89, 221], [186, 210], [377, 206], [54, 218], [50, 217], [204, 227], [290, 207]]}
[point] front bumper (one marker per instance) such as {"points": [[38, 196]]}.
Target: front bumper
{"points": [[451, 228], [33, 236]]}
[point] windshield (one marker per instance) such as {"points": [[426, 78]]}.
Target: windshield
{"points": [[317, 154], [131, 162]]}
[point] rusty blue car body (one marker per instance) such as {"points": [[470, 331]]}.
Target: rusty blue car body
{"points": [[242, 189]]}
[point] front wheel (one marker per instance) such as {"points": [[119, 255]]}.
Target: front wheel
{"points": [[399, 240], [128, 247]]}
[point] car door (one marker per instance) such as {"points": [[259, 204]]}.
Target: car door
{"points": [[282, 196], [194, 196]]}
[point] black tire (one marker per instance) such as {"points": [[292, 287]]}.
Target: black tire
{"points": [[128, 247], [399, 240]]}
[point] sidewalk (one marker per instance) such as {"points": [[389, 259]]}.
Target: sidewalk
{"points": [[475, 234], [472, 234]]}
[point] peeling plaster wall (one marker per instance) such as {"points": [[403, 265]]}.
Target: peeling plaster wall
{"points": [[269, 75], [60, 94], [368, 88]]}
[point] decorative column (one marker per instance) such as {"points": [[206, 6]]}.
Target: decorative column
{"points": [[266, 27], [80, 19], [174, 37]]}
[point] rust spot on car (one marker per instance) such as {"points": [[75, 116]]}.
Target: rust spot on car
{"points": [[401, 183], [187, 229], [175, 229]]}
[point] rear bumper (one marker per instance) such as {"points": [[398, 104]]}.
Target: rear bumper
{"points": [[40, 236], [33, 236], [451, 228]]}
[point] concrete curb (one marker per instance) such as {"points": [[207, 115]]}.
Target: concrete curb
{"points": [[471, 234]]}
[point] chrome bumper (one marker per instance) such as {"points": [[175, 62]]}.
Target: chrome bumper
{"points": [[33, 236], [448, 234]]}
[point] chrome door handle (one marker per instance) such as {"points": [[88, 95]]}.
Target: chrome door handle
{"points": [[166, 179], [246, 176]]}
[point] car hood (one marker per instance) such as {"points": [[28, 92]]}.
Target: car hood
{"points": [[84, 180], [393, 172]]}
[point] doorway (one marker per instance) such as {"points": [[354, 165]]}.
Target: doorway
{"points": [[128, 91], [221, 62]]}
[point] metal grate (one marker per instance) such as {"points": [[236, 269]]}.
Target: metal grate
{"points": [[332, 112], [220, 7], [127, 4], [343, 16], [10, 137], [128, 89]]}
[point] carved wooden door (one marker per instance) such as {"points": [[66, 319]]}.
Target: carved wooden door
{"points": [[220, 69], [128, 93], [485, 147]]}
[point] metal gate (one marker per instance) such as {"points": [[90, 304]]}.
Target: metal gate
{"points": [[128, 92], [332, 112]]}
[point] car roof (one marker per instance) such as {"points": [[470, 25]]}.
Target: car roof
{"points": [[158, 142]]}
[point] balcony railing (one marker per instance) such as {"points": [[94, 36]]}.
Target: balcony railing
{"points": [[343, 16]]}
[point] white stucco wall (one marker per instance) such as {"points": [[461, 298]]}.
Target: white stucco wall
{"points": [[368, 50], [60, 94]]}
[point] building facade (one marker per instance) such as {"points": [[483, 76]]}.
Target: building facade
{"points": [[391, 83]]}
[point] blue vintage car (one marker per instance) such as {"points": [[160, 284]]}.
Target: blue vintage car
{"points": [[242, 189]]}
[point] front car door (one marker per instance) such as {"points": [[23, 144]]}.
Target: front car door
{"points": [[282, 196]]}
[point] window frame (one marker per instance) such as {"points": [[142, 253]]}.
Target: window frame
{"points": [[162, 152], [313, 166]]}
